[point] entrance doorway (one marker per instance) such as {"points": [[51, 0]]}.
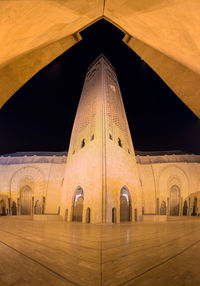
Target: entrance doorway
{"points": [[2, 208], [14, 208], [88, 215], [163, 208], [38, 208], [77, 214], [194, 208], [174, 200], [185, 208], [125, 205], [114, 215], [26, 200]]}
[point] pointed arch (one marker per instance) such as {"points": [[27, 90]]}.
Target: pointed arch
{"points": [[77, 207], [125, 204]]}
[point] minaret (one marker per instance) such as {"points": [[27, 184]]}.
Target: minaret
{"points": [[101, 181]]}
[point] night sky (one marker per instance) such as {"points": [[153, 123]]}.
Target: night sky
{"points": [[39, 117]]}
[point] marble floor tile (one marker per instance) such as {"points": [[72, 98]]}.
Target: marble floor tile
{"points": [[59, 253]]}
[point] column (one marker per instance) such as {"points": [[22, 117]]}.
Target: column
{"points": [[189, 207], [181, 207], [32, 206], [168, 211], [9, 206], [43, 205]]}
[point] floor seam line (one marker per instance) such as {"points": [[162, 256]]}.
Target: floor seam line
{"points": [[46, 267], [157, 265]]}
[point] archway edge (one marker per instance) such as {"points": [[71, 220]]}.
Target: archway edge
{"points": [[156, 32], [32, 173]]}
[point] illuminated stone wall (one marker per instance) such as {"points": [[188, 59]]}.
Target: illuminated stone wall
{"points": [[84, 164], [121, 170], [43, 174], [101, 157], [158, 175]]}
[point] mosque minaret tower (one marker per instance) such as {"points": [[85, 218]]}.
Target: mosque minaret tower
{"points": [[101, 183]]}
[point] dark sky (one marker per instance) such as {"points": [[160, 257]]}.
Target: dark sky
{"points": [[39, 117]]}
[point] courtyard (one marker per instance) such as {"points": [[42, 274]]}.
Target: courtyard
{"points": [[59, 253]]}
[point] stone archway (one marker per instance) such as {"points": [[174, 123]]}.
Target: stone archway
{"points": [[77, 213], [173, 181], [174, 200], [125, 205], [64, 21], [26, 200], [33, 178]]}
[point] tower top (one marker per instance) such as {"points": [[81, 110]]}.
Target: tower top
{"points": [[101, 58]]}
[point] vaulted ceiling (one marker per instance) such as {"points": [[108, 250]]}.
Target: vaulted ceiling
{"points": [[164, 33]]}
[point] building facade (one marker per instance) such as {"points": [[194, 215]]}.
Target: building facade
{"points": [[101, 180], [161, 176]]}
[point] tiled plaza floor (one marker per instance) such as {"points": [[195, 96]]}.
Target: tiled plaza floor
{"points": [[59, 254]]}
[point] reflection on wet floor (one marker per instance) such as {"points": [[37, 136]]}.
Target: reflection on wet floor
{"points": [[59, 253]]}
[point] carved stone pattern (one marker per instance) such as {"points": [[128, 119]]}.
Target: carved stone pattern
{"points": [[114, 108], [86, 110]]}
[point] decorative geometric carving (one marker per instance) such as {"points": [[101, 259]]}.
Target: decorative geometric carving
{"points": [[30, 174]]}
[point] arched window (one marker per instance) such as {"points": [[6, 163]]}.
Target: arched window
{"points": [[110, 137], [92, 137], [119, 142], [83, 143]]}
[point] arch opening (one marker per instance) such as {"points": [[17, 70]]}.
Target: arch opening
{"points": [[163, 208], [185, 208], [194, 207], [26, 200], [38, 207], [77, 213], [125, 205], [174, 200]]}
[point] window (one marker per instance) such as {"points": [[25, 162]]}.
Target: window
{"points": [[119, 142], [128, 151], [92, 137], [73, 152], [83, 143], [110, 137]]}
